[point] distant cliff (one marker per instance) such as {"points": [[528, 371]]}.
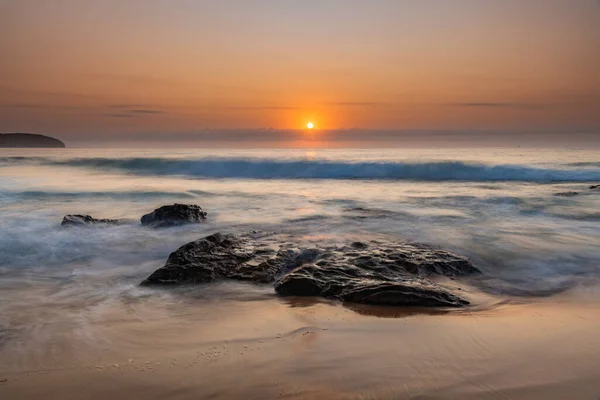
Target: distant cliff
{"points": [[29, 140]]}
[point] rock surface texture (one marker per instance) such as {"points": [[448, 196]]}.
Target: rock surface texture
{"points": [[374, 272], [174, 215], [85, 220]]}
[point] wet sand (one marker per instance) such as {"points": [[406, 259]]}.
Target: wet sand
{"points": [[266, 347]]}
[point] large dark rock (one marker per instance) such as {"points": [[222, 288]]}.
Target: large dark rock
{"points": [[174, 215], [376, 272], [85, 220], [16, 140]]}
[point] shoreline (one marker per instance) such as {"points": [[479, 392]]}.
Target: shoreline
{"points": [[267, 348], [75, 323]]}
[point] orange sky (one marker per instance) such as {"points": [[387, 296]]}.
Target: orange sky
{"points": [[104, 69]]}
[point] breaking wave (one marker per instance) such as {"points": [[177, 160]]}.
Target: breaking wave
{"points": [[243, 168]]}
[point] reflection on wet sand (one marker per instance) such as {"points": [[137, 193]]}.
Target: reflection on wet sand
{"points": [[170, 346], [368, 310]]}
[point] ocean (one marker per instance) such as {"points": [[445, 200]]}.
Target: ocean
{"points": [[69, 297]]}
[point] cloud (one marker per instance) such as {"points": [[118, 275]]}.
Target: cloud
{"points": [[522, 106], [260, 108], [143, 111], [359, 104], [114, 110], [131, 110]]}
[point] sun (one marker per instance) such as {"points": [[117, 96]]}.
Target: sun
{"points": [[310, 125]]}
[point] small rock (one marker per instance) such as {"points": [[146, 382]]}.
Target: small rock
{"points": [[174, 215], [567, 194], [86, 220]]}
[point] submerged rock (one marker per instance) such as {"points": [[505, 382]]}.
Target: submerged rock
{"points": [[567, 194], [84, 220], [595, 187], [375, 272], [174, 215]]}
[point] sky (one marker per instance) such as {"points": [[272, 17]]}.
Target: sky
{"points": [[116, 70]]}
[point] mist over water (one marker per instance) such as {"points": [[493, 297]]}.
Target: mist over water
{"points": [[496, 206]]}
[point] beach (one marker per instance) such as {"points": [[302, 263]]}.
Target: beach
{"points": [[267, 348], [75, 322]]}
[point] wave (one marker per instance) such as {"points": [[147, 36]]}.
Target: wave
{"points": [[242, 168]]}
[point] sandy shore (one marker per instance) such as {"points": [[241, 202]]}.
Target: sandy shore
{"points": [[272, 348]]}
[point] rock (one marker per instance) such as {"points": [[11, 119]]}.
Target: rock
{"points": [[378, 273], [353, 285], [375, 272], [16, 140], [174, 215], [218, 257], [85, 220], [567, 194], [595, 187]]}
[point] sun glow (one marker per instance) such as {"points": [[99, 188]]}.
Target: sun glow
{"points": [[310, 125]]}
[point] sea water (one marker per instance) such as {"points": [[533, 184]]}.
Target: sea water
{"points": [[496, 206]]}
